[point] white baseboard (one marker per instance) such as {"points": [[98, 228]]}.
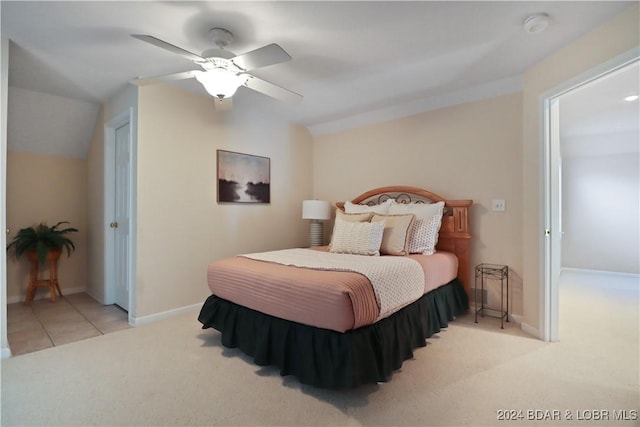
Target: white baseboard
{"points": [[5, 353], [615, 279], [92, 293], [43, 294], [515, 318], [603, 272], [526, 328], [143, 320]]}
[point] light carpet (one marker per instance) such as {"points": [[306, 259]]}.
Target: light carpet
{"points": [[173, 373]]}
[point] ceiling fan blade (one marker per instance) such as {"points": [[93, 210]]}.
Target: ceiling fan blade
{"points": [[143, 81], [272, 90], [261, 57], [167, 46]]}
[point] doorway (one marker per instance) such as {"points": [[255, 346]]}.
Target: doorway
{"points": [[118, 212], [553, 163]]}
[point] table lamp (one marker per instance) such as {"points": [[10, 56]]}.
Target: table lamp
{"points": [[316, 211]]}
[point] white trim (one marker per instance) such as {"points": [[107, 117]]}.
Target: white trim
{"points": [[528, 329], [545, 238], [126, 117], [109, 136], [515, 318], [611, 274], [4, 87], [5, 353], [605, 272], [553, 200], [93, 294], [594, 73], [143, 320], [548, 321], [42, 294], [109, 194]]}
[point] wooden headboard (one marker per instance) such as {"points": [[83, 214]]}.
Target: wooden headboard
{"points": [[454, 233]]}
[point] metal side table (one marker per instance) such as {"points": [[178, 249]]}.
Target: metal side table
{"points": [[494, 272]]}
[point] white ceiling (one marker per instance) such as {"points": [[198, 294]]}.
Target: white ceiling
{"points": [[354, 62], [595, 118], [606, 98]]}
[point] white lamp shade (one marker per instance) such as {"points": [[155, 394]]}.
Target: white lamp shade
{"points": [[316, 209], [221, 83]]}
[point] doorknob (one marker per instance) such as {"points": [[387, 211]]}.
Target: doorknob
{"points": [[113, 225]]}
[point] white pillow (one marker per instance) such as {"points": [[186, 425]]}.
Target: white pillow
{"points": [[424, 234], [382, 208], [358, 238]]}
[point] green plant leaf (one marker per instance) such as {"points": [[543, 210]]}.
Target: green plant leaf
{"points": [[41, 238]]}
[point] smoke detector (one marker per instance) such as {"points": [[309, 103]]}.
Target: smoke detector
{"points": [[536, 23]]}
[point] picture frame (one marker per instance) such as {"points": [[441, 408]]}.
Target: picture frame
{"points": [[243, 178]]}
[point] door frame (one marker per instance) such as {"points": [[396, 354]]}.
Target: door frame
{"points": [[5, 351], [552, 233], [126, 117]]}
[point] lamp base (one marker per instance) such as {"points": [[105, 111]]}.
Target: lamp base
{"points": [[316, 233]]}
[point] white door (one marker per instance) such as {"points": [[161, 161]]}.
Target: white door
{"points": [[555, 191], [121, 216]]}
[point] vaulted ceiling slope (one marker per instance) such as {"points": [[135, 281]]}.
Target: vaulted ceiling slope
{"points": [[354, 62], [42, 123]]}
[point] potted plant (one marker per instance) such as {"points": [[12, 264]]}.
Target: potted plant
{"points": [[43, 242]]}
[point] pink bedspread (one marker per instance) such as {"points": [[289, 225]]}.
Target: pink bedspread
{"points": [[333, 300]]}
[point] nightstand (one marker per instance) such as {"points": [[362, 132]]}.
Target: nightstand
{"points": [[492, 272]]}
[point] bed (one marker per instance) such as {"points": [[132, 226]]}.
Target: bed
{"points": [[334, 318]]}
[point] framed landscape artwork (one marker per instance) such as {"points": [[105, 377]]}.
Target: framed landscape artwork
{"points": [[243, 178]]}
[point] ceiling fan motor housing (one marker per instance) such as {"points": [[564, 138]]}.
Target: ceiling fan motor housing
{"points": [[220, 37]]}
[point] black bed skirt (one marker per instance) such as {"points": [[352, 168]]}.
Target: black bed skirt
{"points": [[329, 359]]}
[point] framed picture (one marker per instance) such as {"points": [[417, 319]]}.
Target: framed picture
{"points": [[243, 178]]}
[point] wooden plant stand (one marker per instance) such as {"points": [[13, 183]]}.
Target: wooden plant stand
{"points": [[51, 282]]}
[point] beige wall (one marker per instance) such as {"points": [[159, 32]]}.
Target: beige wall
{"points": [[471, 151], [615, 37], [42, 188], [181, 228], [482, 150]]}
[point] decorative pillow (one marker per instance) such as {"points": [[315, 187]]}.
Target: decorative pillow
{"points": [[382, 208], [424, 235], [397, 229], [357, 238], [354, 217]]}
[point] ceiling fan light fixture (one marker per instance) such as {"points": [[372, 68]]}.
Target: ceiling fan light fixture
{"points": [[221, 83]]}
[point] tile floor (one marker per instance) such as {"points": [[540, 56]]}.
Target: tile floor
{"points": [[74, 317]]}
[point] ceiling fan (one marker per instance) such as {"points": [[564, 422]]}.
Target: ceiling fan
{"points": [[223, 73]]}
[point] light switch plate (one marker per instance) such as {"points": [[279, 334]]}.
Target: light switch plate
{"points": [[498, 205]]}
